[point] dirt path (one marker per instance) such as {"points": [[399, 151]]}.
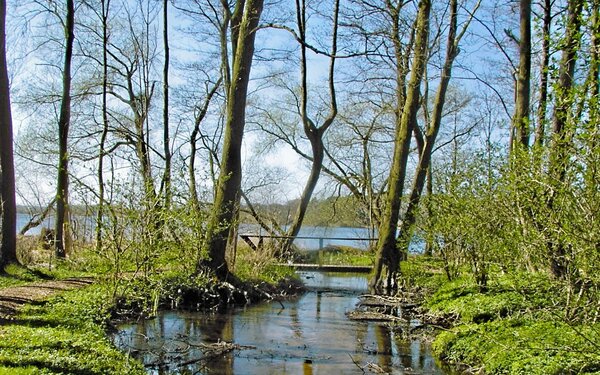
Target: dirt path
{"points": [[13, 298]]}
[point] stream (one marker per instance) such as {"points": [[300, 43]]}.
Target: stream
{"points": [[306, 335]]}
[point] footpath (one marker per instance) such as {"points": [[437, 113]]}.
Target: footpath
{"points": [[13, 298]]}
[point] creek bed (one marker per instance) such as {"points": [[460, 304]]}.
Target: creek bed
{"points": [[307, 335]]}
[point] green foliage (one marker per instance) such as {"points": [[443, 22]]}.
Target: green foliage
{"points": [[516, 326], [422, 272], [66, 335], [18, 275], [509, 295], [261, 265], [522, 346]]}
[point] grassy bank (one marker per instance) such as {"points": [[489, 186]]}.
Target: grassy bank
{"points": [[67, 334], [522, 324], [64, 335]]}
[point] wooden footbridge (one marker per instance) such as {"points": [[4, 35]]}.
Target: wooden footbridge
{"points": [[310, 266]]}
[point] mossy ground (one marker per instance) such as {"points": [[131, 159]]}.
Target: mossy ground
{"points": [[519, 325]]}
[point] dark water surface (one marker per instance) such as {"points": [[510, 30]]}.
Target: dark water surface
{"points": [[308, 335]]}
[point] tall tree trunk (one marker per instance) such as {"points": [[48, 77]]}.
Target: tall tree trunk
{"points": [[230, 176], [8, 208], [521, 115], [388, 256], [595, 56], [63, 230], [313, 133], [544, 74], [105, 4], [166, 136], [408, 221], [562, 131]]}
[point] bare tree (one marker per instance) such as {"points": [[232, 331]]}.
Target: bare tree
{"points": [[166, 181], [313, 132], [63, 231], [540, 130]]}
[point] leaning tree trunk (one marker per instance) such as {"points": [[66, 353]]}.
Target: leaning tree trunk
{"points": [[230, 176], [427, 145], [388, 256], [8, 208], [63, 235]]}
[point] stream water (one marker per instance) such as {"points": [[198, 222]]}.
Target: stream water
{"points": [[308, 335]]}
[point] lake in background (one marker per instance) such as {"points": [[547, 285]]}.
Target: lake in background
{"points": [[331, 236]]}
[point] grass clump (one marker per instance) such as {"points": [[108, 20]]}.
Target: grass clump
{"points": [[259, 265]]}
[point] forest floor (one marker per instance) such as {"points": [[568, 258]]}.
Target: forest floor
{"points": [[13, 298]]}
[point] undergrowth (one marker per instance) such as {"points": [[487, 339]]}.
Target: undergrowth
{"points": [[66, 335], [518, 326]]}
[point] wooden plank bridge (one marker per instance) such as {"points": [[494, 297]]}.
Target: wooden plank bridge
{"points": [[313, 266]]}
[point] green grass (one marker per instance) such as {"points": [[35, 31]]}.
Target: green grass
{"points": [[523, 346], [517, 326], [16, 275], [64, 336]]}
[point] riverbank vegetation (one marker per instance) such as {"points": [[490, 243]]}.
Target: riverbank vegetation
{"points": [[521, 323], [69, 333]]}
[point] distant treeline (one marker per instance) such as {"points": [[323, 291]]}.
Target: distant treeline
{"points": [[333, 211]]}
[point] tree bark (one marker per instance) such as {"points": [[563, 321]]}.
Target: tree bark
{"points": [[230, 176], [8, 244], [544, 74], [166, 137], [388, 256], [63, 230], [521, 115]]}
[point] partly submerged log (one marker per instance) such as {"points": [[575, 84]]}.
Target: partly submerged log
{"points": [[380, 308], [372, 316]]}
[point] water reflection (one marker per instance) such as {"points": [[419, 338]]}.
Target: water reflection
{"points": [[310, 335]]}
